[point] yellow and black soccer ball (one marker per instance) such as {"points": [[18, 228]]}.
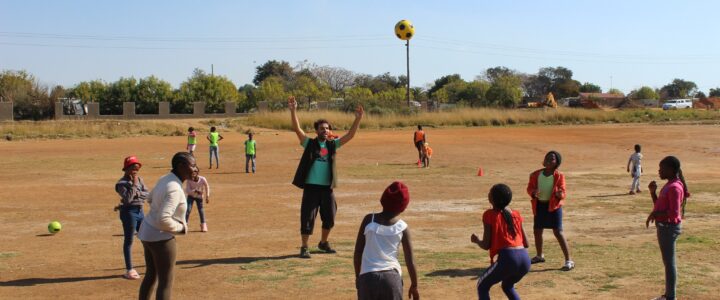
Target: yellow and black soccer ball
{"points": [[404, 30]]}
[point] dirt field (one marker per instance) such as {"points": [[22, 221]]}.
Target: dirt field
{"points": [[251, 248]]}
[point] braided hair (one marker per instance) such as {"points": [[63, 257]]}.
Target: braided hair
{"points": [[501, 197], [673, 163]]}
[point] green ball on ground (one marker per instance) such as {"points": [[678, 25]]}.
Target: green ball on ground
{"points": [[54, 227]]}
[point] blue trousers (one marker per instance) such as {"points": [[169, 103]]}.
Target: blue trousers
{"points": [[131, 217], [200, 208], [667, 234], [214, 151], [248, 159], [511, 266]]}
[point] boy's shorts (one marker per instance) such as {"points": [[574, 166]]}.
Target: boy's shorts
{"points": [[191, 147]]}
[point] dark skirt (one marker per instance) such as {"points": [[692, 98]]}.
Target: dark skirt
{"points": [[547, 219]]}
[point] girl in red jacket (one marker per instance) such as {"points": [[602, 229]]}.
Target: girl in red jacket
{"points": [[546, 188]]}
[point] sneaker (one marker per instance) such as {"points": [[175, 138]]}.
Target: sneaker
{"points": [[304, 253], [203, 227], [325, 247], [631, 193], [569, 265], [537, 259]]}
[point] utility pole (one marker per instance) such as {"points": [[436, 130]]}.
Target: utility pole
{"points": [[407, 46]]}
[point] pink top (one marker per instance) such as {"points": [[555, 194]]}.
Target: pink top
{"points": [[670, 201], [197, 189]]}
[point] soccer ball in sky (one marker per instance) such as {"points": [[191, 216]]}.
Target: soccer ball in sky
{"points": [[404, 30]]}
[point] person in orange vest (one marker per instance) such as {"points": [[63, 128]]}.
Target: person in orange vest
{"points": [[419, 139]]}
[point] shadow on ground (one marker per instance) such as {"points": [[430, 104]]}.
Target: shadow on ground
{"points": [[38, 281], [474, 273], [229, 261]]}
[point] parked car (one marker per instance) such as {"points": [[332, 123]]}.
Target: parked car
{"points": [[677, 104]]}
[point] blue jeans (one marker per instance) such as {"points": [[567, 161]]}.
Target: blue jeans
{"points": [[248, 158], [667, 234], [190, 201], [511, 266], [131, 217], [214, 151]]}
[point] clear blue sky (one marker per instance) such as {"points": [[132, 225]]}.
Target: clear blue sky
{"points": [[624, 43]]}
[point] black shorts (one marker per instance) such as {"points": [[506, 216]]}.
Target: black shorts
{"points": [[547, 219], [419, 145], [317, 197]]}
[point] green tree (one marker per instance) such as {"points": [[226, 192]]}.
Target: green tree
{"points": [[476, 93], [590, 88], [441, 82], [272, 90], [150, 91], [678, 88], [358, 93], [506, 91], [246, 94], [271, 68], [123, 90], [212, 89], [644, 92], [492, 74], [310, 89], [380, 83], [615, 92], [89, 91], [714, 92], [30, 98], [557, 80]]}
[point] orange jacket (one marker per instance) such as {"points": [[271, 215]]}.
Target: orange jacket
{"points": [[419, 136], [558, 185]]}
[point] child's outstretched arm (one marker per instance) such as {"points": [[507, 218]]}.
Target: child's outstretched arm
{"points": [[360, 246], [410, 262]]}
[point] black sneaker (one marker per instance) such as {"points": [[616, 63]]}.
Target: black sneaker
{"points": [[325, 247], [304, 253]]}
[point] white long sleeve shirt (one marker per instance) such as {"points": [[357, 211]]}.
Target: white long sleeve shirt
{"points": [[168, 206]]}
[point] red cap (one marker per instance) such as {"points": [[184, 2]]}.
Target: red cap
{"points": [[129, 161], [395, 198]]}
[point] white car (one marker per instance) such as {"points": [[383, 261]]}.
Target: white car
{"points": [[677, 104]]}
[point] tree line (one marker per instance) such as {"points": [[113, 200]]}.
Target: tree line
{"points": [[275, 80]]}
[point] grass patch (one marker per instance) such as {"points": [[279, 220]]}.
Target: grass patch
{"points": [[22, 130], [608, 287], [693, 239], [478, 117], [8, 254]]}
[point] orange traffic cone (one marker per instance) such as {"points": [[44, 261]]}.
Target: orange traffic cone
{"points": [[480, 172]]}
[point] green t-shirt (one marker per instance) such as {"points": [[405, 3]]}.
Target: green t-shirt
{"points": [[192, 138], [250, 147], [320, 171], [545, 187], [214, 136]]}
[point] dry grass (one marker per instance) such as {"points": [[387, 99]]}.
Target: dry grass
{"points": [[86, 129], [342, 121], [482, 117]]}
